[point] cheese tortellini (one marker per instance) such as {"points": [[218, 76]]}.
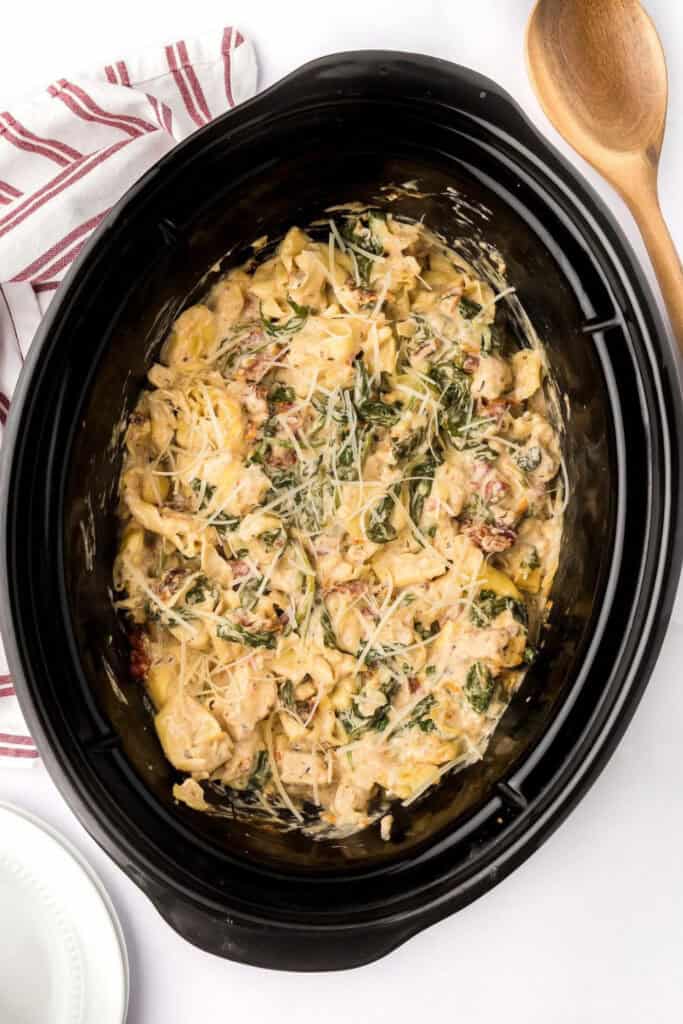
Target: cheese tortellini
{"points": [[340, 518]]}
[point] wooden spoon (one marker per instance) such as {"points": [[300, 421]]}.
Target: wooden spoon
{"points": [[599, 71]]}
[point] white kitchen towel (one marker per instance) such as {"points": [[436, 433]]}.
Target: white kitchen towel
{"points": [[65, 158]]}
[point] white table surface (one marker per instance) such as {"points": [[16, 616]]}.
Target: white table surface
{"points": [[591, 927]]}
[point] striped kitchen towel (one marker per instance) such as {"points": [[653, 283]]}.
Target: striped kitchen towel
{"points": [[65, 158]]}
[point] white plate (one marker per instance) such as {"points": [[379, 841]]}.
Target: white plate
{"points": [[62, 955]]}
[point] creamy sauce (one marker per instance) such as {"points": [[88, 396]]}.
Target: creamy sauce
{"points": [[341, 509]]}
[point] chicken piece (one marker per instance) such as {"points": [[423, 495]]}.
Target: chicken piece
{"points": [[348, 809], [501, 643], [302, 769], [243, 757]]}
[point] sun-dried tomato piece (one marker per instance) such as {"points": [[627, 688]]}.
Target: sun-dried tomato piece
{"points": [[139, 653], [491, 538]]}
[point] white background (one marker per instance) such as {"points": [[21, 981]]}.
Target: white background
{"points": [[591, 928]]}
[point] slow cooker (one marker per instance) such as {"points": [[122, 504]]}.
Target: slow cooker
{"points": [[341, 129]]}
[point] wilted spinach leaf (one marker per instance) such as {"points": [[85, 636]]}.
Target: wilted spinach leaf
{"points": [[479, 686]]}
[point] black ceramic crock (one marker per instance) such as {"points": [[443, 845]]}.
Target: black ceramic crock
{"points": [[333, 131]]}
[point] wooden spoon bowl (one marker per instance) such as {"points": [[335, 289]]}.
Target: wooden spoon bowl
{"points": [[599, 72]]}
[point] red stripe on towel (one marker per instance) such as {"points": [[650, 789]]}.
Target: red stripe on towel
{"points": [[123, 72], [61, 148], [226, 49], [154, 104], [83, 106], [61, 263], [66, 173], [182, 86], [21, 741], [163, 114], [90, 103], [50, 254], [62, 181], [195, 84], [74, 106], [18, 752], [31, 147], [10, 190]]}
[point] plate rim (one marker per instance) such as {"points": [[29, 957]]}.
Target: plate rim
{"points": [[92, 876]]}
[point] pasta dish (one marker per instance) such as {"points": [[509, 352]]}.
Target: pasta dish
{"points": [[341, 509]]}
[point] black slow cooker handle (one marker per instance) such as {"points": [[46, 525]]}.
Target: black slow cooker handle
{"points": [[276, 947]]}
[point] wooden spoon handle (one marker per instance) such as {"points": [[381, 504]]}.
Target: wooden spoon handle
{"points": [[645, 208]]}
